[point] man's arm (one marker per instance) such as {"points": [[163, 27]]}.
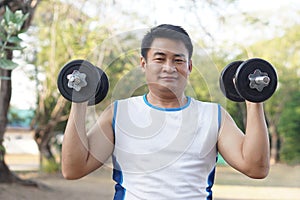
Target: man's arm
{"points": [[249, 152], [83, 152]]}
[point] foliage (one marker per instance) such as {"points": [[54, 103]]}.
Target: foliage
{"points": [[2, 152], [289, 126], [66, 33], [283, 53], [121, 63], [11, 27], [50, 166], [204, 80]]}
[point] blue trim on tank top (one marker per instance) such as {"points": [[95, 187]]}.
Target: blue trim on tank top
{"points": [[114, 116], [166, 109], [219, 117], [210, 182], [117, 174], [211, 176]]}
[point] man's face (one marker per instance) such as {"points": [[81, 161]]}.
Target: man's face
{"points": [[167, 66]]}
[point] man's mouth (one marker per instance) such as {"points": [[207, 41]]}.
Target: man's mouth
{"points": [[168, 78]]}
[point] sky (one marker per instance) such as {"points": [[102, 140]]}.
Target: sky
{"points": [[277, 13], [186, 14]]}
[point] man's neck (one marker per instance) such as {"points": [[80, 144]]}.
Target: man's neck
{"points": [[166, 101]]}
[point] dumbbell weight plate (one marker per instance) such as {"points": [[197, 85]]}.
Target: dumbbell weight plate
{"points": [[92, 79], [242, 80], [227, 84], [102, 88]]}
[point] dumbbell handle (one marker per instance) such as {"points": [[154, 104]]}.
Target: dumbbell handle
{"points": [[77, 80], [258, 80], [265, 80]]}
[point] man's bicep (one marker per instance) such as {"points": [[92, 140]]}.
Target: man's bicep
{"points": [[101, 137]]}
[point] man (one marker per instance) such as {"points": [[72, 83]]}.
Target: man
{"points": [[164, 144]]}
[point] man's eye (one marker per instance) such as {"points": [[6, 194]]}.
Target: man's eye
{"points": [[179, 61], [159, 59]]}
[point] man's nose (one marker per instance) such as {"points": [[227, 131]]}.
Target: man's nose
{"points": [[169, 66]]}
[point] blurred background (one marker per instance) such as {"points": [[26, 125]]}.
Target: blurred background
{"points": [[37, 42]]}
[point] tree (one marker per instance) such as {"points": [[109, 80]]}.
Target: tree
{"points": [[65, 34], [15, 18], [289, 126], [280, 51]]}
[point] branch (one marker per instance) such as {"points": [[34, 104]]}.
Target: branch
{"points": [[59, 106], [63, 118], [5, 2]]}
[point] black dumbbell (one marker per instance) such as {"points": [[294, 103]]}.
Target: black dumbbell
{"points": [[254, 80], [80, 81]]}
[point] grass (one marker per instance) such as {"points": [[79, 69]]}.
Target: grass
{"points": [[280, 175]]}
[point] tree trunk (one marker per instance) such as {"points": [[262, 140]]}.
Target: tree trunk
{"points": [[5, 94], [274, 157], [44, 133], [6, 175], [42, 136], [27, 6]]}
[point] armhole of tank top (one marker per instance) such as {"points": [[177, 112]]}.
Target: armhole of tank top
{"points": [[219, 117], [114, 116]]}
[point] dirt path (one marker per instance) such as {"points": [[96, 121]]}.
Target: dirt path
{"points": [[283, 183], [96, 186]]}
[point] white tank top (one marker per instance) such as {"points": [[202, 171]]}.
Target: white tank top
{"points": [[164, 153]]}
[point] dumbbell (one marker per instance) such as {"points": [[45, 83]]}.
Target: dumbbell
{"points": [[254, 80], [80, 81]]}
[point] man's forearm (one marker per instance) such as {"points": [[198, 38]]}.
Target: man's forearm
{"points": [[256, 144], [75, 143]]}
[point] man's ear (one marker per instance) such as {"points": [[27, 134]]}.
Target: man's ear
{"points": [[190, 66], [143, 63]]}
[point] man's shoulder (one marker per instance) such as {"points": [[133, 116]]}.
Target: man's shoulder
{"points": [[203, 103], [132, 99]]}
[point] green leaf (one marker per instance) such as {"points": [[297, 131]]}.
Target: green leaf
{"points": [[7, 64], [24, 18], [14, 40], [2, 36], [8, 15], [22, 31], [14, 48]]}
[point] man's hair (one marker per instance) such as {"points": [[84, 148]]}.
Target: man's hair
{"points": [[166, 31]]}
